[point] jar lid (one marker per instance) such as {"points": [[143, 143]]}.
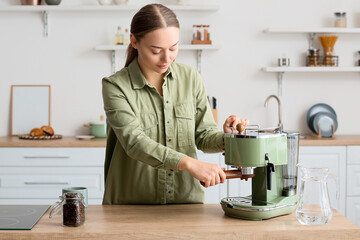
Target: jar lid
{"points": [[313, 50], [340, 14]]}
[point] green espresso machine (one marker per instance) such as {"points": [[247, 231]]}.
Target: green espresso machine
{"points": [[268, 157]]}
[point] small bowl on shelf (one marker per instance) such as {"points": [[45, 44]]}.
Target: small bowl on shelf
{"points": [[105, 2], [120, 2]]}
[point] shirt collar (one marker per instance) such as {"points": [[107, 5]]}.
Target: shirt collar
{"points": [[137, 78]]}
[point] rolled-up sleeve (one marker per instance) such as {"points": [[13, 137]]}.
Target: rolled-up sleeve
{"points": [[207, 136], [130, 134]]}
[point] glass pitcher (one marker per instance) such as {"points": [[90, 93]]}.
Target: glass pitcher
{"points": [[313, 200]]}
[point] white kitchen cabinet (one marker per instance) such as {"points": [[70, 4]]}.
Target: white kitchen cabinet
{"points": [[334, 158], [37, 175], [353, 184]]}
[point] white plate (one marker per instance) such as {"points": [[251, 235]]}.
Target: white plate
{"points": [[85, 137]]}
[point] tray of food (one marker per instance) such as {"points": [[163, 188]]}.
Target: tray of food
{"points": [[43, 133]]}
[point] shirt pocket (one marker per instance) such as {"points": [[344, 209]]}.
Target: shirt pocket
{"points": [[149, 123], [185, 119]]}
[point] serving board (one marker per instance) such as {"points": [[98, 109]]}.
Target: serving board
{"points": [[29, 137]]}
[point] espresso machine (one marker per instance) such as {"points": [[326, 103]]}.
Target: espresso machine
{"points": [[268, 157]]}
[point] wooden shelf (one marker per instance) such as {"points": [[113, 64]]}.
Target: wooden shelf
{"points": [[196, 47], [181, 47], [21, 8], [45, 9]]}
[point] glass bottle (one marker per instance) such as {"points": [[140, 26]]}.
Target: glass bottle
{"points": [[340, 19], [119, 36], [126, 37], [206, 32], [313, 58], [72, 207]]}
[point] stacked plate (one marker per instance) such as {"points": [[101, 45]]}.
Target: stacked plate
{"points": [[323, 116]]}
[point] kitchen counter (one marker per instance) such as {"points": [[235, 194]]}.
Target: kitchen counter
{"points": [[65, 141], [339, 140], [191, 221], [71, 141]]}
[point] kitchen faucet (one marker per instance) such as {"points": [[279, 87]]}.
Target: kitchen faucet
{"points": [[280, 125]]}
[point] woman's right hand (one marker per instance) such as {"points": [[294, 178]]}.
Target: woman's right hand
{"points": [[208, 174]]}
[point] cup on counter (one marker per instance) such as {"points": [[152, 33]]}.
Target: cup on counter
{"points": [[82, 190]]}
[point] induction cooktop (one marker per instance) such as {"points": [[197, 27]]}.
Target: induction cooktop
{"points": [[20, 217]]}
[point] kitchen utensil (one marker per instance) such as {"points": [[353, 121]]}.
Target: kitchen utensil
{"points": [[289, 170], [320, 107], [262, 154], [52, 2], [314, 204], [326, 121], [30, 2], [82, 190], [97, 129], [328, 43], [20, 217]]}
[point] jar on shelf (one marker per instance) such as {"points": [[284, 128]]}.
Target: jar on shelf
{"points": [[206, 32], [340, 19], [313, 57], [359, 58]]}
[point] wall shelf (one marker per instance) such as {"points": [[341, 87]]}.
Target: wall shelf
{"points": [[21, 8], [116, 48], [312, 31], [45, 9], [282, 70]]}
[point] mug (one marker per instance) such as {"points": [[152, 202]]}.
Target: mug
{"points": [[82, 190]]}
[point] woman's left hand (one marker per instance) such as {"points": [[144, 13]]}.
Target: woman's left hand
{"points": [[233, 121]]}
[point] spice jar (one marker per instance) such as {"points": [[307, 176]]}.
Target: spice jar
{"points": [[313, 58], [340, 19], [73, 209]]}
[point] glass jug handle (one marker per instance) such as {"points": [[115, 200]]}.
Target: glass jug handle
{"points": [[335, 178], [55, 209]]}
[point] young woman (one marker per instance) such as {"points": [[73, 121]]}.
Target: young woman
{"points": [[157, 112]]}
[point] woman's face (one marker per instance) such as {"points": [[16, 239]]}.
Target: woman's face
{"points": [[157, 49]]}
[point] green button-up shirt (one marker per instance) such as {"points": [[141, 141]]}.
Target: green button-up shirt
{"points": [[148, 134]]}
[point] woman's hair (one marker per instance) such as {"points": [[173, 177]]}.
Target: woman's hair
{"points": [[147, 19]]}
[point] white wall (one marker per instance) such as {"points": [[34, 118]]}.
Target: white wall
{"points": [[68, 62]]}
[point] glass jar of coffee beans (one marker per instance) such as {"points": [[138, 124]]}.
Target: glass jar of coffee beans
{"points": [[73, 209]]}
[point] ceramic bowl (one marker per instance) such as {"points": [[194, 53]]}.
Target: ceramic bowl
{"points": [[105, 2], [120, 2], [52, 2]]}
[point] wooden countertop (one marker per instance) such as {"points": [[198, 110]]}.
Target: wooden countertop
{"points": [[71, 141], [66, 141], [191, 221], [339, 140]]}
